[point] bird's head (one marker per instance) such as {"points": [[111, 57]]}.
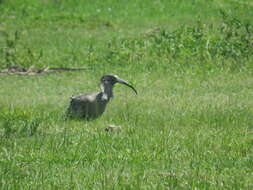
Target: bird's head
{"points": [[108, 81]]}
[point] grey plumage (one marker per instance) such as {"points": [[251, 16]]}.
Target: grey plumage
{"points": [[92, 105]]}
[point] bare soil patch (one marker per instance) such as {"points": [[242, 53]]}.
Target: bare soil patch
{"points": [[19, 70]]}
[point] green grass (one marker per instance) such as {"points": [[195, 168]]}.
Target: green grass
{"points": [[189, 127]]}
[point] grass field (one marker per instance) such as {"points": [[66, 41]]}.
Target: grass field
{"points": [[189, 127]]}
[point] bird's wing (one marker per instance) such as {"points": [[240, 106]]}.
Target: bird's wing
{"points": [[83, 105], [89, 97]]}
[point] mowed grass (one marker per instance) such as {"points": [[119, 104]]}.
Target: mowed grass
{"points": [[189, 127], [179, 132]]}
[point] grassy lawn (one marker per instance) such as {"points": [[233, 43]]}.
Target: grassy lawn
{"points": [[189, 127]]}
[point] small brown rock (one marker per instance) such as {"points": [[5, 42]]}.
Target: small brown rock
{"points": [[113, 128]]}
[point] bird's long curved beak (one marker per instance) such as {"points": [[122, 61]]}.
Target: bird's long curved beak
{"points": [[119, 80]]}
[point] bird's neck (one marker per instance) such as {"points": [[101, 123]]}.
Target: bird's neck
{"points": [[107, 92]]}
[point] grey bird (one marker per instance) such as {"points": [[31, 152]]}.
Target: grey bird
{"points": [[92, 105]]}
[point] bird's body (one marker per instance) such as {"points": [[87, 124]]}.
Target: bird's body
{"points": [[92, 105], [87, 106]]}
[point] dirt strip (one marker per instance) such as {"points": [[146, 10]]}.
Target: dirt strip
{"points": [[18, 70]]}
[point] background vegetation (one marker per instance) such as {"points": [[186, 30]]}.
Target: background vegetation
{"points": [[190, 127]]}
